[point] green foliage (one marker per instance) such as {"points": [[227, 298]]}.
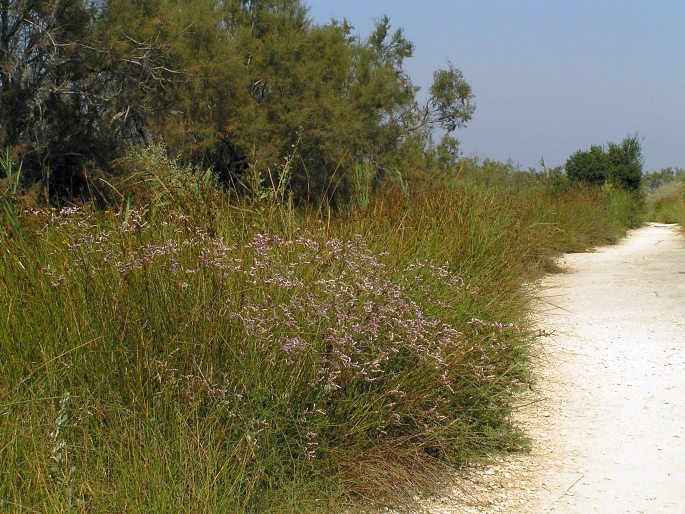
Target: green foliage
{"points": [[556, 180], [666, 203], [490, 175], [12, 174], [146, 176], [447, 153], [618, 164], [654, 180], [589, 166], [248, 357], [623, 208], [451, 99], [230, 86], [625, 164], [10, 187], [74, 86]]}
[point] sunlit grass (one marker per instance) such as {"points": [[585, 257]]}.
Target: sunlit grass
{"points": [[667, 203], [250, 357]]}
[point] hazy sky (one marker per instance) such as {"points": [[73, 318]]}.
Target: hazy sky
{"points": [[549, 76]]}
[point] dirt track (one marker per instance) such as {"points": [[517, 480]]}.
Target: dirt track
{"points": [[609, 431]]}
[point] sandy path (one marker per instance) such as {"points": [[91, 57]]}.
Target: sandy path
{"points": [[609, 433], [615, 436]]}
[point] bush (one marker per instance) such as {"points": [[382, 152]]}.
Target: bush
{"points": [[589, 167], [619, 165], [625, 164]]}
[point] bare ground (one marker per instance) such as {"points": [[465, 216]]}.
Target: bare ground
{"points": [[609, 423]]}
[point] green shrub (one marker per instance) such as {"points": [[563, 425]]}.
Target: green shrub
{"points": [[589, 167], [619, 165]]}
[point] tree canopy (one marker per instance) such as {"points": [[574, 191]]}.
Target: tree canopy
{"points": [[225, 85], [618, 164]]}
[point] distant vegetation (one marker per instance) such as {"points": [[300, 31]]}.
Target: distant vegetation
{"points": [[237, 274], [666, 196], [654, 180], [617, 165]]}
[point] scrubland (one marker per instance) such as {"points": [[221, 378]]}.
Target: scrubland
{"points": [[667, 203], [187, 350]]}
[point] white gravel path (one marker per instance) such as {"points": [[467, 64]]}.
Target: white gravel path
{"points": [[609, 431]]}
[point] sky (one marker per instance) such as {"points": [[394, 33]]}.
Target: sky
{"points": [[549, 77]]}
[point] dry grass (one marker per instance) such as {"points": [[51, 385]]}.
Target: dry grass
{"points": [[251, 357]]}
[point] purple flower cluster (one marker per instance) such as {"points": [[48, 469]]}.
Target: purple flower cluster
{"points": [[147, 254], [335, 304], [329, 317]]}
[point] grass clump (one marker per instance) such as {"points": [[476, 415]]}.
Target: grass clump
{"points": [[250, 357]]}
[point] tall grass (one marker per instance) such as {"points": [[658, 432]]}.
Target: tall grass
{"points": [[667, 203], [250, 357]]}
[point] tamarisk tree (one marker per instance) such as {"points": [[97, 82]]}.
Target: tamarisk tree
{"points": [[70, 91], [226, 85]]}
